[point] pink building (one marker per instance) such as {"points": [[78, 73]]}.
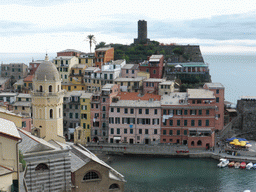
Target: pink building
{"points": [[189, 118], [100, 112], [130, 71], [33, 66], [135, 120], [69, 52]]}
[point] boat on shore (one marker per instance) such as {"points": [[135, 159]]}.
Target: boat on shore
{"points": [[223, 163], [237, 165], [249, 165], [231, 164], [242, 165]]}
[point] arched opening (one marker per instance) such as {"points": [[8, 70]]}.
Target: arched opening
{"points": [[192, 143], [50, 89], [114, 186], [40, 88], [91, 175], [51, 113], [199, 143], [59, 112], [41, 167], [88, 139]]}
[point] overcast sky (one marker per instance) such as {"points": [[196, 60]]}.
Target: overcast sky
{"points": [[218, 26]]}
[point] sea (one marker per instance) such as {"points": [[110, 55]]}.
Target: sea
{"points": [[155, 174], [235, 72]]}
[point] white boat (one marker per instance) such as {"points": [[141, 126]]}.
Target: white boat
{"points": [[223, 162], [254, 166], [249, 165]]}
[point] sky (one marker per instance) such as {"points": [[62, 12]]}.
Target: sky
{"points": [[37, 26]]}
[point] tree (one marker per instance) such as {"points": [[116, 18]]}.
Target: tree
{"points": [[101, 44], [91, 40]]}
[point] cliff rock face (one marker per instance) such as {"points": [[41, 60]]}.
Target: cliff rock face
{"points": [[186, 53]]}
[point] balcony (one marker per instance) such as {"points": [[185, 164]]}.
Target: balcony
{"points": [[46, 94], [136, 87]]}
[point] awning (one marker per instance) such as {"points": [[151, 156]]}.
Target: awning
{"points": [[178, 66], [200, 129], [117, 138]]}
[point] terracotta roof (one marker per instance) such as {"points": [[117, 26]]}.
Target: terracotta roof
{"points": [[137, 96], [28, 78]]}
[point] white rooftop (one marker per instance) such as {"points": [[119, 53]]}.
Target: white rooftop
{"points": [[154, 80], [214, 85], [155, 58], [174, 99], [200, 94], [9, 128]]}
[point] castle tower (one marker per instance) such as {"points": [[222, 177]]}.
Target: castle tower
{"points": [[47, 102], [142, 33]]}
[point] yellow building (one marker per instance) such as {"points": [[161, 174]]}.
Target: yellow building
{"points": [[143, 74], [82, 134], [75, 79], [47, 102], [130, 84], [8, 115], [9, 158], [88, 59], [166, 87], [64, 65]]}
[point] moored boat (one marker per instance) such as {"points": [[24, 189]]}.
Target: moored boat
{"points": [[237, 165], [249, 165], [223, 163], [254, 166], [242, 165], [231, 164]]}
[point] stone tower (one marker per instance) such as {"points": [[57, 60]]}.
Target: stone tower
{"points": [[47, 102], [142, 33]]}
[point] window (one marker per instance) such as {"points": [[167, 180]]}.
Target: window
{"points": [[51, 113], [125, 131], [179, 112], [131, 131], [118, 110], [178, 132], [91, 176], [16, 107], [118, 131], [193, 112], [103, 100], [146, 131], [41, 167], [155, 112], [84, 125], [193, 101], [70, 106], [171, 122], [76, 106], [199, 143], [192, 122], [132, 71], [155, 131], [76, 115], [217, 99], [131, 111], [164, 132], [185, 132], [207, 122], [140, 131], [170, 132], [147, 111], [104, 108], [23, 123], [140, 111], [200, 112], [217, 91], [164, 111], [192, 143], [114, 186], [178, 122], [207, 112], [185, 112], [147, 70], [199, 122], [127, 71], [125, 110], [185, 122], [112, 109], [70, 115], [154, 71], [199, 101], [23, 108]]}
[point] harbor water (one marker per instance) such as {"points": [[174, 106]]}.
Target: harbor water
{"points": [[156, 174]]}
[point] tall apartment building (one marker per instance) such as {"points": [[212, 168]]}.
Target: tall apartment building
{"points": [[87, 58], [64, 65], [154, 66], [100, 112], [130, 70], [14, 70], [135, 118], [103, 55]]}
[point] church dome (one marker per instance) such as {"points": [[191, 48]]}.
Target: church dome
{"points": [[47, 71]]}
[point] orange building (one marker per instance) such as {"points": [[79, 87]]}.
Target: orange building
{"points": [[103, 55]]}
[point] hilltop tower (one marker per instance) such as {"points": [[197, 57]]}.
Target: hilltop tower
{"points": [[47, 102], [142, 33]]}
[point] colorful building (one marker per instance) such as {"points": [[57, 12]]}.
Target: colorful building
{"points": [[151, 85], [64, 65], [87, 59], [82, 134], [33, 66], [103, 55], [130, 71], [28, 81], [92, 79], [130, 84], [23, 105], [135, 118], [154, 66]]}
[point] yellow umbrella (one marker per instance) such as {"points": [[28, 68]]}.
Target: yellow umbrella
{"points": [[238, 144], [236, 140], [232, 143]]}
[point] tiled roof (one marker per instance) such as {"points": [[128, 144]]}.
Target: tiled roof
{"points": [[9, 128], [137, 96], [28, 78]]}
